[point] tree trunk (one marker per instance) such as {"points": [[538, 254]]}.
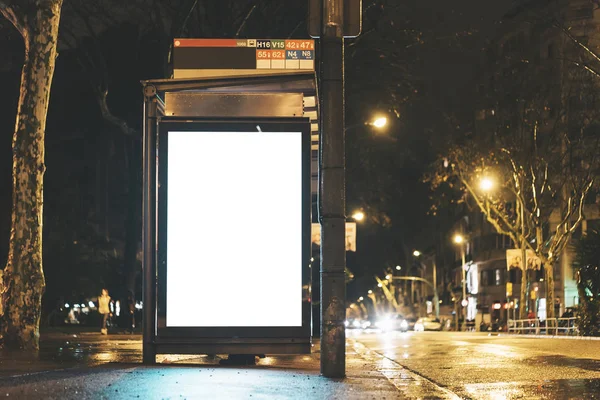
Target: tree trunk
{"points": [[549, 270], [524, 296], [23, 276]]}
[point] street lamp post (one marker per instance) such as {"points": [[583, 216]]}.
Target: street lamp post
{"points": [[459, 239], [436, 299], [435, 292]]}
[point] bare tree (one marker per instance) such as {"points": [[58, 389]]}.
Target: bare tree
{"points": [[543, 178], [537, 132], [23, 280]]}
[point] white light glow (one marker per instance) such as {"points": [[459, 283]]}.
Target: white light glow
{"points": [[471, 308], [473, 279], [486, 184], [542, 309], [225, 268], [358, 216], [380, 122]]}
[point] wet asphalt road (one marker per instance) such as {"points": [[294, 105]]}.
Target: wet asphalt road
{"points": [[425, 365], [478, 366]]}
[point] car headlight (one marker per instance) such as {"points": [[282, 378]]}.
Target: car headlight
{"points": [[356, 324], [404, 324], [384, 323], [346, 323]]}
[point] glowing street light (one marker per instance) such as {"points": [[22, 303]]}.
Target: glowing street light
{"points": [[416, 253], [370, 291], [358, 216], [388, 276], [380, 122], [486, 184], [398, 268], [458, 239], [361, 298], [380, 284]]}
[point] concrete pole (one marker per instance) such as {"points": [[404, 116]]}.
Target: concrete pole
{"points": [[332, 196]]}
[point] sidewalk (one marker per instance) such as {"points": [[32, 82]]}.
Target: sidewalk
{"points": [[91, 366]]}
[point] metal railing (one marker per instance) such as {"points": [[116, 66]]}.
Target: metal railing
{"points": [[550, 326]]}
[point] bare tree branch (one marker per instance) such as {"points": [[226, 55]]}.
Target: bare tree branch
{"points": [[577, 41], [15, 16], [243, 24]]}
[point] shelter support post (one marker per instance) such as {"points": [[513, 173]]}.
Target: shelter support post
{"points": [[149, 225]]}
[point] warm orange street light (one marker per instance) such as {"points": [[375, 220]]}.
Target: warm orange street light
{"points": [[380, 122], [486, 184], [458, 239], [358, 216]]}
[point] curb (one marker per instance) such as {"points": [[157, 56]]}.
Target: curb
{"points": [[406, 382], [552, 337]]}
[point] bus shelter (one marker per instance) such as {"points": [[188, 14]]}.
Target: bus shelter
{"points": [[227, 213]]}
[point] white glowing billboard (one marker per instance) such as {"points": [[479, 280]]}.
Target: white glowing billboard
{"points": [[226, 193]]}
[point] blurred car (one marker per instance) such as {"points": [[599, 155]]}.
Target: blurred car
{"points": [[392, 322], [410, 321], [353, 323], [428, 324]]}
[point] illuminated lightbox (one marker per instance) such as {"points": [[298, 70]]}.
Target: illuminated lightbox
{"points": [[234, 229]]}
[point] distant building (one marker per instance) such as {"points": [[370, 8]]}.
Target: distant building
{"points": [[531, 60]]}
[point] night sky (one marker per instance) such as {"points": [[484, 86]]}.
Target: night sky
{"points": [[84, 236]]}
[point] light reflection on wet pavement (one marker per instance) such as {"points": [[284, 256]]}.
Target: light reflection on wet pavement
{"points": [[478, 366], [95, 367], [452, 365]]}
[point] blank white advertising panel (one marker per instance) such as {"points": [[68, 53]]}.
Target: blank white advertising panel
{"points": [[234, 229]]}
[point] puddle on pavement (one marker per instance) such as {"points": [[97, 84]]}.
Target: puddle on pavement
{"points": [[79, 349]]}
